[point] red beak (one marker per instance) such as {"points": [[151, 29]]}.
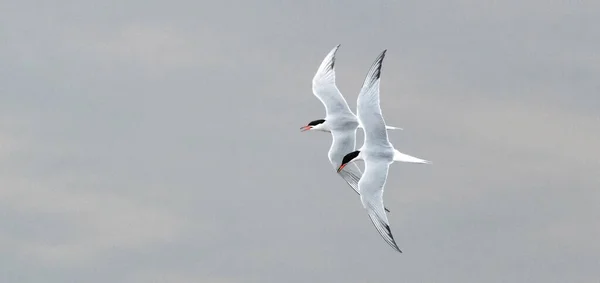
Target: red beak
{"points": [[341, 167], [305, 128]]}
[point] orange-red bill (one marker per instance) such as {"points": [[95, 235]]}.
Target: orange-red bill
{"points": [[305, 128], [341, 167]]}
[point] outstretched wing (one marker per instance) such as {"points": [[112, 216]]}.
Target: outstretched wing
{"points": [[342, 143], [371, 194], [324, 88], [352, 174], [368, 108]]}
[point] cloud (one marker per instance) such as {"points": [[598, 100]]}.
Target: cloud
{"points": [[159, 142], [153, 49], [96, 222], [169, 276], [158, 49]]}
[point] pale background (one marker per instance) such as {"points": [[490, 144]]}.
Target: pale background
{"points": [[158, 141]]}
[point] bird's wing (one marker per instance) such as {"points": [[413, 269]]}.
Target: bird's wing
{"points": [[371, 195], [351, 174], [324, 88], [368, 108], [342, 143]]}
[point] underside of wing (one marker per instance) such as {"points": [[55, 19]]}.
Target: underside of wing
{"points": [[351, 174], [368, 105], [382, 226], [371, 189], [324, 87], [344, 142]]}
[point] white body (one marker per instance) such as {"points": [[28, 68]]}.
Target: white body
{"points": [[377, 153], [339, 119]]}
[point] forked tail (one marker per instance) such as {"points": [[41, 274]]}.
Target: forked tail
{"points": [[393, 128], [386, 127]]}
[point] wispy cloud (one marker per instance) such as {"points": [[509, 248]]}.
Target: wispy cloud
{"points": [[158, 141], [97, 221]]}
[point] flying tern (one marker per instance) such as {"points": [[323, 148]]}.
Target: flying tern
{"points": [[377, 153], [339, 120]]}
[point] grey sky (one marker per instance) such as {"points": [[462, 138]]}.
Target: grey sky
{"points": [[158, 141]]}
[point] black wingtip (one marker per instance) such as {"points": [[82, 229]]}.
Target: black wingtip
{"points": [[332, 64], [375, 71], [379, 63], [393, 242], [383, 228]]}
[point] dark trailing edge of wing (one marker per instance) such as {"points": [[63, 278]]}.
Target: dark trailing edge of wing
{"points": [[375, 71], [384, 230], [332, 61]]}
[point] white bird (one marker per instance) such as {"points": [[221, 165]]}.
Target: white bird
{"points": [[339, 119], [377, 153]]}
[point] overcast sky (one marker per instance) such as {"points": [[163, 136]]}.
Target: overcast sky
{"points": [[158, 141]]}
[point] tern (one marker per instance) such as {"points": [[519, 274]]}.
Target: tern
{"points": [[377, 153], [339, 120]]}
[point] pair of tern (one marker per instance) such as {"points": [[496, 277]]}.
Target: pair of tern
{"points": [[377, 152]]}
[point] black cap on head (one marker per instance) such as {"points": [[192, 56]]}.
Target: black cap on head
{"points": [[316, 122], [350, 156]]}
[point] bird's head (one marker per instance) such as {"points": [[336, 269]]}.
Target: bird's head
{"points": [[350, 157], [317, 125]]}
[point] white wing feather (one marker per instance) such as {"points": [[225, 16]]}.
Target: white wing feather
{"points": [[324, 88], [377, 165], [368, 108], [371, 195]]}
